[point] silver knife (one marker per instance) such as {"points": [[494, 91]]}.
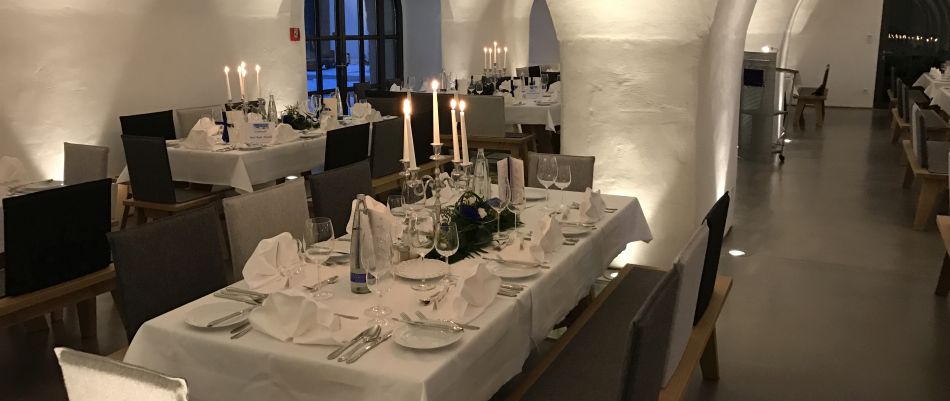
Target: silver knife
{"points": [[242, 332], [431, 325], [228, 317], [348, 344], [366, 348], [247, 292], [239, 298]]}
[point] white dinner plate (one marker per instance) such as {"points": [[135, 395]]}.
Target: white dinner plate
{"points": [[574, 231], [533, 194], [204, 314], [513, 271], [425, 338], [426, 269]]}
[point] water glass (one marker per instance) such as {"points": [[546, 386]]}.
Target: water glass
{"points": [[318, 242], [447, 244], [499, 202], [422, 237], [395, 203], [547, 174], [563, 179], [479, 88], [517, 206], [379, 279]]}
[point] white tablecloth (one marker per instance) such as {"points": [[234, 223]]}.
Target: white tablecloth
{"points": [[243, 169], [531, 113], [931, 86], [257, 367]]}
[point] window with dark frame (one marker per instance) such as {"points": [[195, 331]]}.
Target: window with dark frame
{"points": [[369, 32]]}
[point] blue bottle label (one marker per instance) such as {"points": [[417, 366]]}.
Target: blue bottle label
{"points": [[358, 277]]}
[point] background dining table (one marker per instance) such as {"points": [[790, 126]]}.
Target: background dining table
{"points": [[941, 97], [529, 112], [256, 367], [930, 84]]}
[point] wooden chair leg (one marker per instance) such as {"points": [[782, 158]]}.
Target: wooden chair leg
{"points": [[821, 112], [709, 361], [929, 191], [141, 216], [943, 283], [800, 113], [87, 318], [908, 177], [125, 217]]}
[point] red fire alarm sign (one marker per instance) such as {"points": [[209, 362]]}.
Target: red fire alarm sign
{"points": [[294, 34]]}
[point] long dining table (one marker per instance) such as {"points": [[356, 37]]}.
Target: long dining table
{"points": [[930, 84], [259, 367]]}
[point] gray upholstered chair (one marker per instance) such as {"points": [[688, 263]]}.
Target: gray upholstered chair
{"points": [[582, 171], [166, 264], [84, 163], [690, 265], [91, 377], [484, 116], [386, 147], [186, 118], [333, 192], [617, 349], [263, 214]]}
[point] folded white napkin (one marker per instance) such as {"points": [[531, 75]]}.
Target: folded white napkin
{"points": [[592, 207], [512, 177], [395, 88], [547, 238], [262, 271], [11, 169], [375, 233], [203, 135], [505, 85], [476, 290], [254, 118], [555, 87], [509, 100], [361, 110], [239, 132], [375, 116], [296, 318], [329, 122], [283, 134]]}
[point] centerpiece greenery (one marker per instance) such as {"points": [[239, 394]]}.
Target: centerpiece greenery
{"points": [[476, 222], [296, 119]]}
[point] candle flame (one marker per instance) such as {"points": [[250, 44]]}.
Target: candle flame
{"points": [[257, 67], [452, 104], [243, 65], [485, 49], [462, 106], [435, 85], [227, 69], [406, 107], [506, 49], [495, 44]]}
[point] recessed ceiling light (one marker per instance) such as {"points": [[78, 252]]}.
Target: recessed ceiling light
{"points": [[736, 252]]}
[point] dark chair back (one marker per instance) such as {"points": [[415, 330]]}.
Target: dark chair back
{"points": [[361, 88], [346, 145], [534, 71], [918, 131], [553, 76], [386, 149], [716, 221], [387, 106], [823, 88], [893, 81], [56, 235], [159, 124], [617, 350], [901, 99], [333, 192], [149, 172], [166, 264]]}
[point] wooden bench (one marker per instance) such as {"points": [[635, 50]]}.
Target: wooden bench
{"points": [[943, 282], [393, 181], [81, 291], [931, 186], [517, 146]]}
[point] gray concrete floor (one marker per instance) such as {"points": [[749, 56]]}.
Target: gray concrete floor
{"points": [[833, 302]]}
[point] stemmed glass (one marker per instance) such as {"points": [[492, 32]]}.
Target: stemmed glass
{"points": [[517, 205], [318, 241], [422, 237], [563, 179], [499, 203], [547, 174], [396, 205], [447, 244], [544, 83], [479, 88], [414, 194], [379, 279]]}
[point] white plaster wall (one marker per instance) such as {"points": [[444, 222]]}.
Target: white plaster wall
{"points": [[630, 72], [71, 68], [843, 33], [543, 45], [422, 37], [468, 25]]}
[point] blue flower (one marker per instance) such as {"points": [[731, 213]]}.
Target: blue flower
{"points": [[469, 212]]}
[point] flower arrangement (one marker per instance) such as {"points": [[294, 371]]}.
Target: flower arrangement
{"points": [[296, 119], [476, 221]]}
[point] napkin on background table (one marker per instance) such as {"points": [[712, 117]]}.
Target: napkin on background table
{"points": [[361, 110], [375, 232], [546, 238], [203, 136], [505, 85], [555, 88], [262, 270], [512, 177], [284, 133], [328, 122], [395, 88], [11, 169], [296, 318], [476, 289], [592, 207]]}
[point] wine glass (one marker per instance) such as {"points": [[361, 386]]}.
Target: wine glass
{"points": [[547, 174], [395, 203], [563, 179], [544, 83], [318, 241], [422, 233], [499, 202], [413, 194], [479, 88], [379, 279], [517, 205], [447, 244]]}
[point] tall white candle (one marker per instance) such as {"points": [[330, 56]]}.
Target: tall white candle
{"points": [[436, 136], [240, 71], [408, 149], [491, 58], [504, 59], [227, 80], [485, 58], [455, 134], [257, 68], [494, 46], [464, 136]]}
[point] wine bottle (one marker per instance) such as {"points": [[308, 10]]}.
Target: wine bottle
{"points": [[471, 85], [357, 270]]}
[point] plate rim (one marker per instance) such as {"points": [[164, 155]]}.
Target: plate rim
{"points": [[398, 272], [397, 338], [534, 271], [221, 325]]}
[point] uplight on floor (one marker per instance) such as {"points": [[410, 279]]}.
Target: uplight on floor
{"points": [[788, 140], [736, 252]]}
